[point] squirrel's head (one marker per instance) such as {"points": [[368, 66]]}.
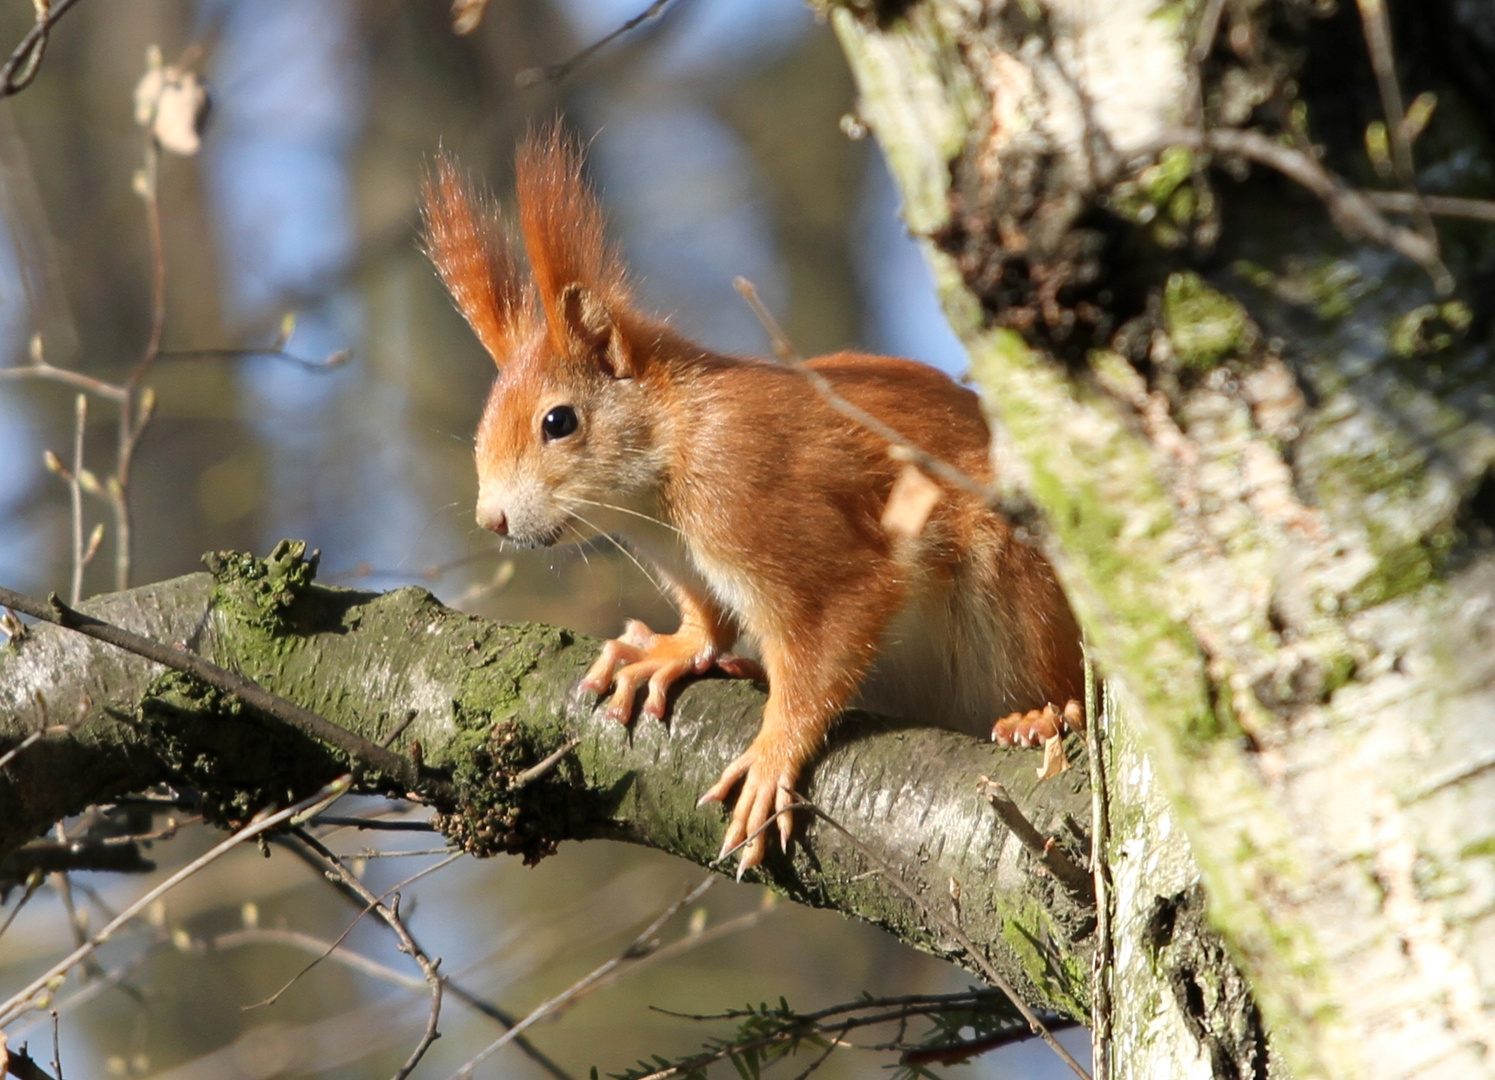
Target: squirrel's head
{"points": [[565, 439]]}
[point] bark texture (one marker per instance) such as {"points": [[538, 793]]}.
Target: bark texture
{"points": [[1262, 451], [489, 700]]}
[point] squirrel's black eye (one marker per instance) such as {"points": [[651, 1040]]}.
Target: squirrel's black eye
{"points": [[558, 423]]}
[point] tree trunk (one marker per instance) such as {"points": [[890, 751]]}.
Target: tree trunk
{"points": [[1261, 446]]}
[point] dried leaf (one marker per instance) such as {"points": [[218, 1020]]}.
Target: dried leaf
{"points": [[466, 14], [172, 104], [1055, 760], [910, 503]]}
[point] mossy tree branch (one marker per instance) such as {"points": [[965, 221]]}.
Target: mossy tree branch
{"points": [[491, 699]]}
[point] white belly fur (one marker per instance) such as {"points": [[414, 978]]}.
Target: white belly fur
{"points": [[947, 659]]}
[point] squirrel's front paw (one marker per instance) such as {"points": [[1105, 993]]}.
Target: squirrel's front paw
{"points": [[767, 792], [640, 656], [1036, 726]]}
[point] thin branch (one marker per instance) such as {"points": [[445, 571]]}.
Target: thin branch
{"points": [[494, 1012], [33, 883], [1100, 847], [149, 190], [556, 72], [38, 992], [1377, 26], [390, 913], [1050, 855], [64, 855], [39, 368], [403, 853], [934, 915], [893, 1008], [1350, 210], [1400, 202], [1204, 37], [955, 1053], [344, 822], [26, 59], [541, 768], [371, 755], [10, 755], [75, 496], [336, 358], [641, 946], [906, 451], [683, 945], [332, 947]]}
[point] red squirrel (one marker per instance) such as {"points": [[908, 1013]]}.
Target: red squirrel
{"points": [[757, 505]]}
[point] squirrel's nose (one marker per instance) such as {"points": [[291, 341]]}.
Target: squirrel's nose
{"points": [[493, 520]]}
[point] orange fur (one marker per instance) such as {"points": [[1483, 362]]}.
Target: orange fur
{"points": [[756, 504], [468, 242], [564, 234]]}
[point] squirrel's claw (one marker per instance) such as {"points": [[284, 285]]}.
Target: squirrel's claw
{"points": [[640, 657], [1037, 726], [766, 796]]}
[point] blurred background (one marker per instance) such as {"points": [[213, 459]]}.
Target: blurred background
{"points": [[716, 140]]}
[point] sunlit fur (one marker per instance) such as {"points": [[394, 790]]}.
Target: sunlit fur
{"points": [[752, 500]]}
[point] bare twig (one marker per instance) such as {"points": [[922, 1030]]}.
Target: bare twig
{"points": [[333, 359], [38, 992], [344, 822], [368, 754], [407, 944], [39, 368], [33, 882], [641, 946], [62, 855], [1401, 202], [10, 755], [891, 1009], [956, 1053], [1204, 37], [556, 72], [1350, 210], [934, 915], [1100, 833], [534, 772], [56, 1045], [370, 905], [454, 989], [402, 853], [139, 401], [899, 447], [1377, 26], [390, 913], [683, 945], [357, 962], [1050, 855], [11, 626], [25, 60]]}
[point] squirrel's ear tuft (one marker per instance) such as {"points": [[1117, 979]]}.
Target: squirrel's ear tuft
{"points": [[591, 330], [565, 236], [468, 241]]}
